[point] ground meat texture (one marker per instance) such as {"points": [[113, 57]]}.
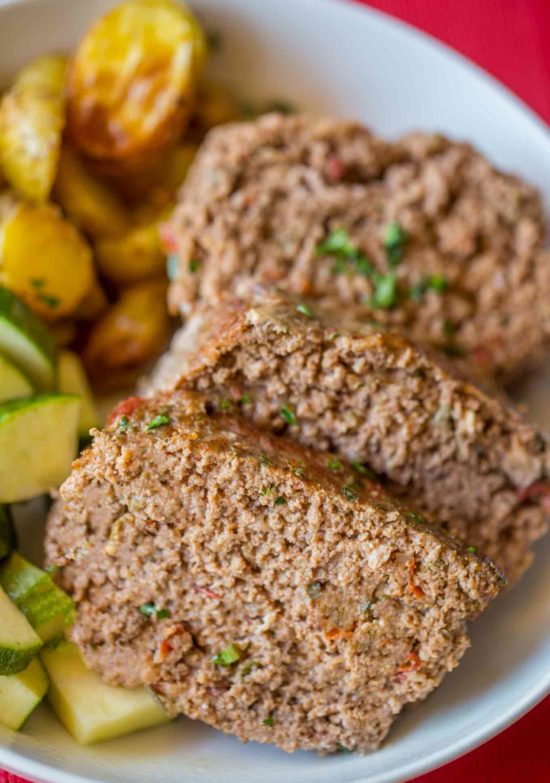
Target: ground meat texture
{"points": [[262, 197], [469, 459], [329, 605]]}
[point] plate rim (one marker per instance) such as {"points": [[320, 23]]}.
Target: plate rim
{"points": [[45, 773]]}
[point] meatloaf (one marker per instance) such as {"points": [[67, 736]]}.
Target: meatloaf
{"points": [[335, 382], [423, 231], [253, 587]]}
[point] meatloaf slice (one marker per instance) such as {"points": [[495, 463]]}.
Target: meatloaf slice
{"points": [[470, 460], [252, 587], [425, 231]]}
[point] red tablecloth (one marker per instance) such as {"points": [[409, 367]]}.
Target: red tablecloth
{"points": [[511, 40]]}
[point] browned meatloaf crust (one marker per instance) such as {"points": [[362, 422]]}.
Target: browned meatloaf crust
{"points": [[335, 606], [261, 198], [470, 460]]}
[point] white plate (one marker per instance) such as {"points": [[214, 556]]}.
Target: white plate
{"points": [[344, 60]]}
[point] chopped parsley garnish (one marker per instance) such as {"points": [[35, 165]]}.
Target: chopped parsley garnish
{"points": [[230, 654], [298, 470], [393, 240], [449, 327], [437, 283], [269, 721], [123, 423], [343, 749], [472, 550], [365, 607], [194, 265], [225, 405], [279, 501], [288, 415], [49, 300], [264, 491], [314, 590], [335, 464], [338, 243], [245, 399], [414, 516], [363, 469], [304, 310], [37, 282], [385, 291], [172, 266], [159, 421], [264, 460], [51, 569], [349, 491], [149, 610]]}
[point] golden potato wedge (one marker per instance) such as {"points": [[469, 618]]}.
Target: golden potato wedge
{"points": [[44, 260], [133, 331], [132, 81], [32, 117], [136, 255], [87, 200]]}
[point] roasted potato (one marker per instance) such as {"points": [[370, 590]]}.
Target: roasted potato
{"points": [[93, 304], [133, 331], [132, 81], [136, 255], [32, 117], [44, 259], [86, 199]]}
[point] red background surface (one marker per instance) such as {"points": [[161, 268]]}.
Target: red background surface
{"points": [[511, 40]]}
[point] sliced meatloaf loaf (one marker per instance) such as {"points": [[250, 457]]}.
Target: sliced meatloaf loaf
{"points": [[250, 585], [423, 231], [337, 383]]}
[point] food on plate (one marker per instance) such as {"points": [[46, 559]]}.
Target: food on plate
{"points": [[251, 586], [334, 381], [133, 256], [47, 608], [89, 709], [94, 303], [7, 532], [13, 383], [20, 694], [38, 441], [44, 260], [32, 118], [72, 379], [423, 233], [132, 331], [26, 341], [19, 643], [132, 81], [87, 201]]}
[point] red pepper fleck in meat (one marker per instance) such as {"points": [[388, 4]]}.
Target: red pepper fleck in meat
{"points": [[124, 408], [168, 237]]}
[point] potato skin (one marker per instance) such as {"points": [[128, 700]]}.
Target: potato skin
{"points": [[132, 82], [32, 118]]}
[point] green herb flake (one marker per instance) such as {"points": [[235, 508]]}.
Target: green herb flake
{"points": [[37, 282], [363, 470], [172, 266], [394, 239], [245, 399], [264, 491], [437, 283], [248, 667], [385, 291], [453, 351], [279, 501], [449, 328], [337, 243], [472, 550], [314, 590], [265, 460], [225, 405], [51, 569], [149, 610], [288, 415], [335, 464], [349, 491], [50, 301], [269, 721], [194, 265], [304, 310], [229, 655], [414, 516], [159, 421], [365, 607], [343, 750], [123, 423]]}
